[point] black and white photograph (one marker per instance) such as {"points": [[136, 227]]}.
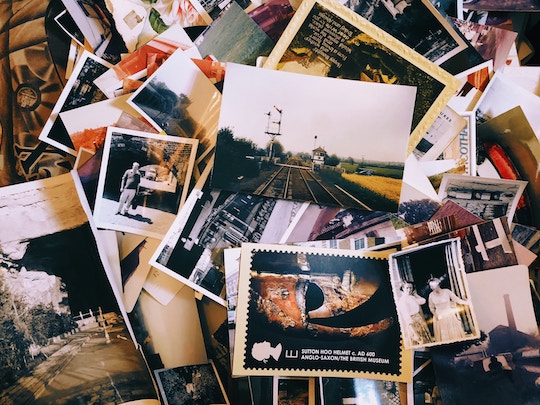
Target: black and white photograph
{"points": [[279, 137], [68, 338], [197, 384], [210, 221], [432, 296], [325, 38], [79, 91], [501, 366], [310, 312], [179, 100], [143, 181], [416, 23], [487, 198]]}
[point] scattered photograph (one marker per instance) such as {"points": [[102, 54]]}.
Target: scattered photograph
{"points": [[500, 5], [484, 197], [234, 37], [360, 51], [97, 26], [462, 148], [211, 221], [135, 65], [416, 23], [316, 313], [500, 366], [191, 385], [327, 223], [484, 246], [492, 43], [143, 181], [439, 135], [273, 16], [290, 390], [359, 391], [432, 296], [278, 138], [87, 125], [79, 91], [473, 84], [68, 338], [502, 95], [185, 105]]}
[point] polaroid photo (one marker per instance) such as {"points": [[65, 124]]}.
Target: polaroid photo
{"points": [[361, 51], [500, 360], [143, 181], [316, 312], [439, 135], [484, 197], [473, 83], [431, 295], [210, 221], [416, 23], [282, 137], [87, 125], [192, 384], [79, 91], [185, 105], [293, 390], [359, 391]]}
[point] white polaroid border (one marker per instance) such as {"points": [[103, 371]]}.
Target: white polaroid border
{"points": [[416, 334], [59, 106], [481, 195], [158, 222]]}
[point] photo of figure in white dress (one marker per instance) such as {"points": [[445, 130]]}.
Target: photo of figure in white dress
{"points": [[445, 307], [415, 327]]}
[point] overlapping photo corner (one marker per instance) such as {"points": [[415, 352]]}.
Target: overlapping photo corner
{"points": [[210, 220]]}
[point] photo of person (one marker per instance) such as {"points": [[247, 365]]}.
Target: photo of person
{"points": [[128, 188], [431, 294], [443, 305], [410, 309]]}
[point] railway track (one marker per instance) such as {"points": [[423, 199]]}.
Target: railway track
{"points": [[297, 183]]}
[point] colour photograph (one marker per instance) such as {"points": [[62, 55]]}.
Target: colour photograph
{"points": [[304, 138], [326, 38]]}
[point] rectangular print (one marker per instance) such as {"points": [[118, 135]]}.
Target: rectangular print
{"points": [[432, 296], [143, 181], [316, 312], [285, 135], [325, 38]]}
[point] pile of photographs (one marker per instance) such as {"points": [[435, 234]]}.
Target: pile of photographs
{"points": [[271, 202]]}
